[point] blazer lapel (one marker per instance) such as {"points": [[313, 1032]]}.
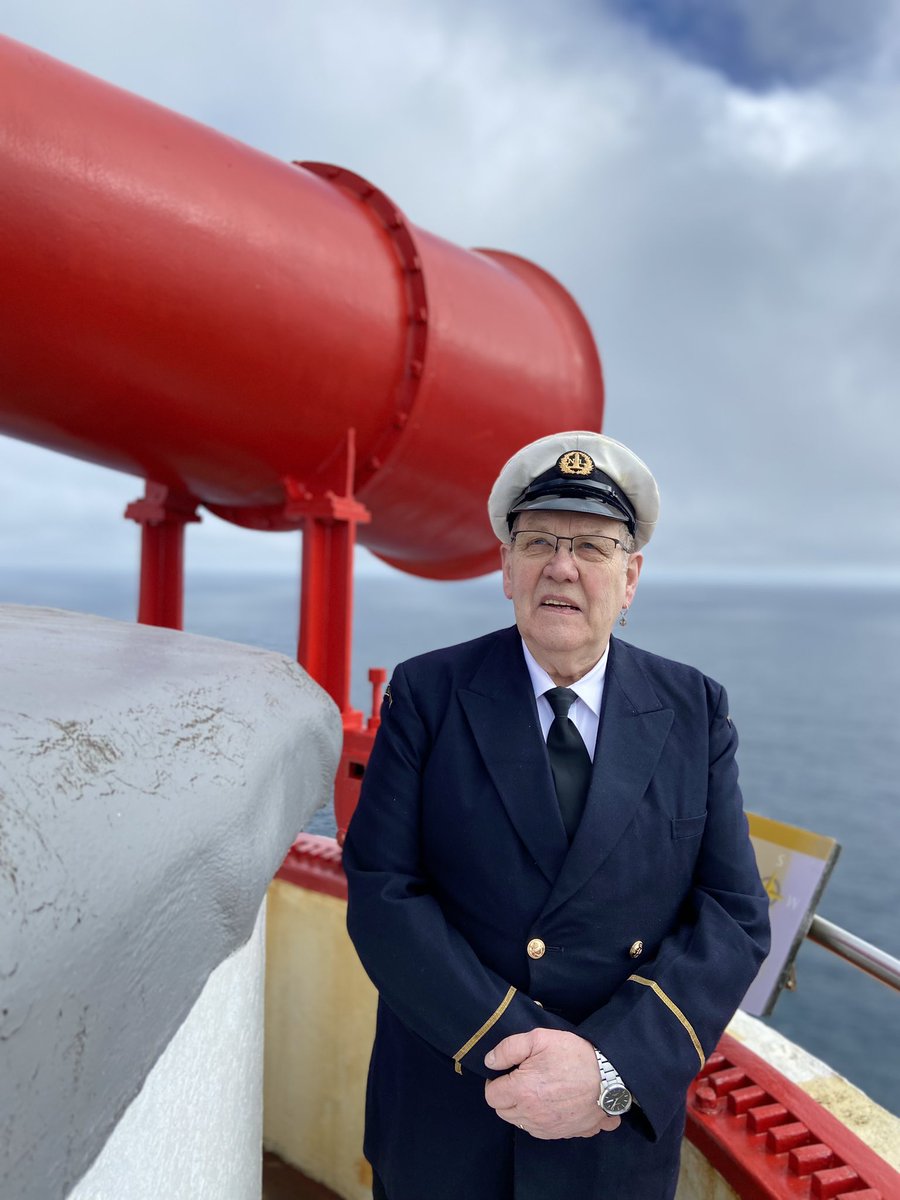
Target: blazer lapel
{"points": [[633, 729], [500, 707]]}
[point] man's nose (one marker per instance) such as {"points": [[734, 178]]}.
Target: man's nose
{"points": [[563, 564]]}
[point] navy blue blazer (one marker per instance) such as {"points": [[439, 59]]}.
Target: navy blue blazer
{"points": [[456, 857]]}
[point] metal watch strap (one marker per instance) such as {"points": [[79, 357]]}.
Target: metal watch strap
{"points": [[609, 1076]]}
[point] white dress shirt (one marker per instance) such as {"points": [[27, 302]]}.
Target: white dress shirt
{"points": [[585, 712]]}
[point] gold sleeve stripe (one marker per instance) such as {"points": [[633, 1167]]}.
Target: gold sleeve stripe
{"points": [[476, 1037], [673, 1007]]}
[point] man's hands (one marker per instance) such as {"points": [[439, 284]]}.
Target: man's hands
{"points": [[552, 1093]]}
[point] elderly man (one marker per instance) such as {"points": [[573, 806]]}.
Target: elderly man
{"points": [[551, 883]]}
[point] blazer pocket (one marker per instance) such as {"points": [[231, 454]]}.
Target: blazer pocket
{"points": [[688, 827]]}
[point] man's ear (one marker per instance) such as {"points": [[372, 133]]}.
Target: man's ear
{"points": [[632, 572], [504, 563]]}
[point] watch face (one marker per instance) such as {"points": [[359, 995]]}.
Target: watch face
{"points": [[615, 1100]]}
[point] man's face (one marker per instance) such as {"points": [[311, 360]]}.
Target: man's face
{"points": [[565, 608]]}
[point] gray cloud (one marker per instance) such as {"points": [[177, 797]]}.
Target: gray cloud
{"points": [[761, 44], [732, 249]]}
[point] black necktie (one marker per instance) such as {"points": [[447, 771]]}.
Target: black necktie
{"points": [[569, 759]]}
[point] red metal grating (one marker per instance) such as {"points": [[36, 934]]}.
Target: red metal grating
{"points": [[771, 1141], [314, 862], [838, 1182]]}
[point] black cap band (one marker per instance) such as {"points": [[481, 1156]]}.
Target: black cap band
{"points": [[594, 493]]}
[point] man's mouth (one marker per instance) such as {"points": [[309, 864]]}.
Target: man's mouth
{"points": [[560, 605]]}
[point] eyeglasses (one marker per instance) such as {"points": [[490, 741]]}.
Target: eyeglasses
{"points": [[587, 547]]}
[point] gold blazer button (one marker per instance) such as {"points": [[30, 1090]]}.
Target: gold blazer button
{"points": [[637, 949], [536, 948]]}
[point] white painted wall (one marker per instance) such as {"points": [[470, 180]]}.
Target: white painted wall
{"points": [[194, 1132]]}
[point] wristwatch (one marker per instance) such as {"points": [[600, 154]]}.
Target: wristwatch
{"points": [[615, 1098]]}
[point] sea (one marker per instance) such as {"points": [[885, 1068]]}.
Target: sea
{"points": [[812, 672]]}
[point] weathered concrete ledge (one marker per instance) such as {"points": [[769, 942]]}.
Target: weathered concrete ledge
{"points": [[150, 784]]}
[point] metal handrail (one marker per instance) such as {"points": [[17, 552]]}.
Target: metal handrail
{"points": [[864, 955]]}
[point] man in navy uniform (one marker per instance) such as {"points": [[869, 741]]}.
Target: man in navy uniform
{"points": [[550, 878]]}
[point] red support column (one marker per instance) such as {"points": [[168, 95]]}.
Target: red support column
{"points": [[162, 515], [328, 516], [326, 613]]}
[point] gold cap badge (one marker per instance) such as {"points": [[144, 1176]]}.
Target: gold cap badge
{"points": [[575, 462]]}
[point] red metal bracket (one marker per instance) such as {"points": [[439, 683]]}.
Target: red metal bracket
{"points": [[314, 863], [377, 678], [355, 756], [162, 514], [772, 1141]]}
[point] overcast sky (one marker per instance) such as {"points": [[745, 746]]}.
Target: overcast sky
{"points": [[717, 183]]}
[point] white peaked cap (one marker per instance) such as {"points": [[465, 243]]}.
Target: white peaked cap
{"points": [[578, 471]]}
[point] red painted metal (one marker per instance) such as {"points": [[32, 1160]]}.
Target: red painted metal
{"points": [[326, 606], [765, 1116], [786, 1137], [745, 1098], [329, 518], [351, 768], [194, 312], [806, 1160], [314, 863], [162, 515], [838, 1181], [377, 678], [358, 739], [772, 1141]]}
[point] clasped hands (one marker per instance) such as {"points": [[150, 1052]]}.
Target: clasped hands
{"points": [[552, 1092]]}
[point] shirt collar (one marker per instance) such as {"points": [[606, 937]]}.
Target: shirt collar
{"points": [[588, 688]]}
